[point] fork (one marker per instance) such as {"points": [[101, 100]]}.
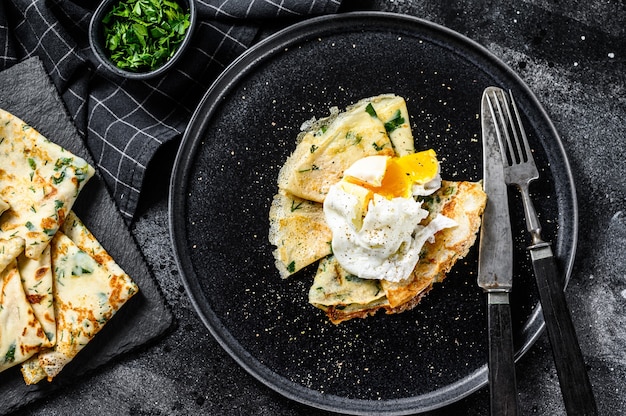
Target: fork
{"points": [[520, 170]]}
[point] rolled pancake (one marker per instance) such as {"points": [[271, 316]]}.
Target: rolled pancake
{"points": [[299, 232], [327, 147], [37, 281], [9, 250], [89, 288], [21, 335], [40, 182], [342, 300]]}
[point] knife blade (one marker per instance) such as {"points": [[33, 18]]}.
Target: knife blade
{"points": [[495, 269]]}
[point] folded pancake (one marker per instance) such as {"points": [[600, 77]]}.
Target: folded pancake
{"points": [[391, 110], [299, 232], [333, 287], [343, 297], [40, 182], [37, 281], [89, 288], [298, 225], [21, 335], [327, 147], [3, 205], [9, 250], [74, 228]]}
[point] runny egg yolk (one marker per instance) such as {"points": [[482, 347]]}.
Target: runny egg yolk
{"points": [[400, 174]]}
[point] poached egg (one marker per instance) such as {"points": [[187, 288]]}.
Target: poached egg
{"points": [[375, 219]]}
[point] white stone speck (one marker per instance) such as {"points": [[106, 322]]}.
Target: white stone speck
{"points": [[611, 55], [623, 293]]}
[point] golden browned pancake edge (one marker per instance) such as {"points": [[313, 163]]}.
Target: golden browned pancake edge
{"points": [[465, 205]]}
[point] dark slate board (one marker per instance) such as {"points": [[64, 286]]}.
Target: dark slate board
{"points": [[27, 91]]}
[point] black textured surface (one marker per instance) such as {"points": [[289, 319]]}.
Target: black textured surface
{"points": [[570, 53], [27, 92], [226, 177]]}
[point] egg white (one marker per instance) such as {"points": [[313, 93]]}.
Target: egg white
{"points": [[375, 237]]}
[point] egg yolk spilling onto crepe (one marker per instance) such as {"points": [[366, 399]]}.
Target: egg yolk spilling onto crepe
{"points": [[394, 176], [375, 219]]}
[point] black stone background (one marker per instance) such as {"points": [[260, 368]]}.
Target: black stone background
{"points": [[571, 54]]}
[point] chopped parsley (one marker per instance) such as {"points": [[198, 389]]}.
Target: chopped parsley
{"points": [[313, 167], [62, 163], [353, 278], [58, 178], [369, 109], [79, 271], [354, 137], [323, 129], [295, 206], [81, 173], [378, 147], [9, 357], [449, 191], [394, 122], [142, 35], [83, 264]]}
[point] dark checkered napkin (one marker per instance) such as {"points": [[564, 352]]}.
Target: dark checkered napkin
{"points": [[124, 122]]}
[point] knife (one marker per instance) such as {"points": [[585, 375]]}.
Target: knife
{"points": [[495, 271]]}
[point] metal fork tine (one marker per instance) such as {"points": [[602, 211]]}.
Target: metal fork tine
{"points": [[500, 132], [514, 145], [525, 152]]}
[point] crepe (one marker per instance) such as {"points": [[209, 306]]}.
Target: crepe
{"points": [[375, 125], [391, 110], [327, 147], [333, 287], [74, 228], [21, 335], [60, 285], [40, 182], [346, 298], [89, 288], [298, 229], [299, 232], [9, 250], [3, 205], [37, 282], [464, 202]]}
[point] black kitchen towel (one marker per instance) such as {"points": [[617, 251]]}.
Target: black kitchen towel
{"points": [[124, 122]]}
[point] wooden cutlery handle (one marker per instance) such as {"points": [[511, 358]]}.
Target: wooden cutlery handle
{"points": [[502, 382], [570, 366]]}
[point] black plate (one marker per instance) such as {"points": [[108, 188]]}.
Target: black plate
{"points": [[225, 176]]}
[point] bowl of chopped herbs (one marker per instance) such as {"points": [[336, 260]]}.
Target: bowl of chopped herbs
{"points": [[141, 39]]}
